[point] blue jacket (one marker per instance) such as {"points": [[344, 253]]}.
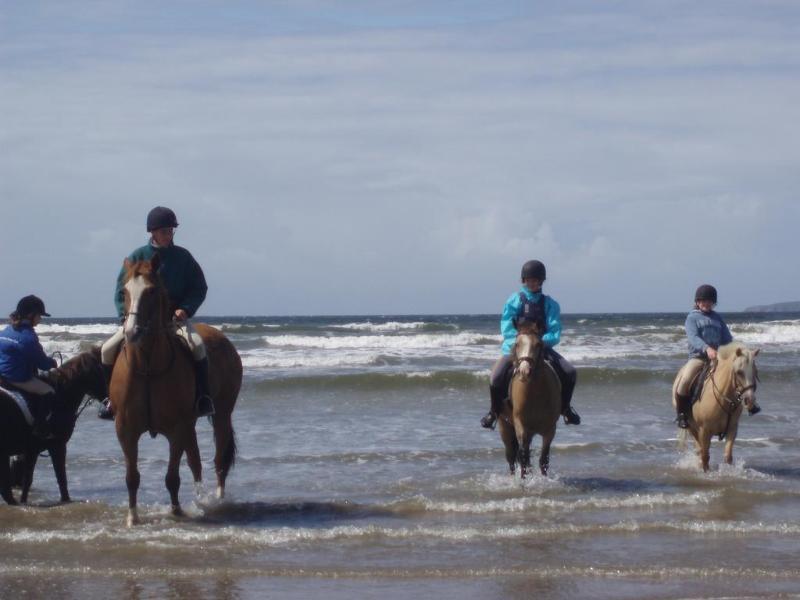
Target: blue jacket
{"points": [[182, 276], [21, 354], [512, 310], [704, 330]]}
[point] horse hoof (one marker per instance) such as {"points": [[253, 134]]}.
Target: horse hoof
{"points": [[133, 518], [177, 511]]}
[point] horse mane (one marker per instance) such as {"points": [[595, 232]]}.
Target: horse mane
{"points": [[728, 351]]}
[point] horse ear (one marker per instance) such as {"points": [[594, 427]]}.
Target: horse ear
{"points": [[155, 262], [127, 264], [739, 351]]}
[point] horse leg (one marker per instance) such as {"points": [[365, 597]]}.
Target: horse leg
{"points": [[524, 454], [225, 454], [544, 457], [58, 454], [194, 462], [28, 465], [510, 442], [729, 444], [5, 481], [130, 448], [173, 478], [704, 443]]}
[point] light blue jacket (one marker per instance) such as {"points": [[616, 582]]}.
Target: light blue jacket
{"points": [[512, 310], [704, 330]]}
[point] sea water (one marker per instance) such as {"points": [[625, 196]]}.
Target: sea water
{"points": [[363, 471]]}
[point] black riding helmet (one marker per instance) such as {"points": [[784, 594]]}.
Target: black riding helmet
{"points": [[706, 292], [159, 217], [534, 269]]}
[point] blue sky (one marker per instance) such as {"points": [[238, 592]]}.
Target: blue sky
{"points": [[403, 157]]}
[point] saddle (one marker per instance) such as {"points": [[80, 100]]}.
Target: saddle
{"points": [[696, 387], [20, 398]]}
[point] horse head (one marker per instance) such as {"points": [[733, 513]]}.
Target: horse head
{"points": [[528, 350], [744, 372], [146, 302]]}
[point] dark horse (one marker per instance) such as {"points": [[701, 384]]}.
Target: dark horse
{"points": [[153, 386], [535, 393], [79, 376]]}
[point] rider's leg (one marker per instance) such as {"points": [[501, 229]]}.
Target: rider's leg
{"points": [[568, 377], [498, 390], [204, 405], [108, 354], [41, 398], [683, 391]]}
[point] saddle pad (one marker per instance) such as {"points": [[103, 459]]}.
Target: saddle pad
{"points": [[23, 405]]}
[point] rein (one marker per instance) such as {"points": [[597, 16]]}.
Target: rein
{"points": [[732, 404]]}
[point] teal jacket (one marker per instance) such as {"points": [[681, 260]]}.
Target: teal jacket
{"points": [[511, 311], [182, 276]]}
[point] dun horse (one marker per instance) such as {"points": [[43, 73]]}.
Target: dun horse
{"points": [[78, 376], [152, 386], [730, 385], [535, 403]]}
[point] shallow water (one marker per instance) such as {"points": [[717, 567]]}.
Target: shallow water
{"points": [[362, 471]]}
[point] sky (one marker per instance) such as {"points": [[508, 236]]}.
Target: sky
{"points": [[403, 157]]}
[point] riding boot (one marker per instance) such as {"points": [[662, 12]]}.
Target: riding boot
{"points": [[204, 406], [570, 416], [683, 406], [497, 395], [754, 410], [106, 411]]}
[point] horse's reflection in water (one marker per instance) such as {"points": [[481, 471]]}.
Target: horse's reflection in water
{"points": [[152, 387]]}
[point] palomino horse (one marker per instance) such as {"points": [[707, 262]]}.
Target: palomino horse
{"points": [[153, 386], [535, 403], [730, 385], [79, 376]]}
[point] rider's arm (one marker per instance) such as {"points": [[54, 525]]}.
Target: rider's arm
{"points": [[552, 312], [696, 344], [727, 338], [196, 288], [35, 354], [507, 329]]}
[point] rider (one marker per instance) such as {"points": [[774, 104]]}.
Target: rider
{"points": [[532, 305], [21, 355], [706, 332], [186, 288]]}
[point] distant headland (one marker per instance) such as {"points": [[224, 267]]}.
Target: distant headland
{"points": [[777, 307]]}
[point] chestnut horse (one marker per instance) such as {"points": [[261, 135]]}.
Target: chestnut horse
{"points": [[79, 376], [153, 386], [730, 385], [535, 403]]}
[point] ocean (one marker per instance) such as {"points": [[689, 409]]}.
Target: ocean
{"points": [[363, 472]]}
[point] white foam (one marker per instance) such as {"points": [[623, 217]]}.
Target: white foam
{"points": [[383, 342], [769, 332], [381, 327], [83, 329]]}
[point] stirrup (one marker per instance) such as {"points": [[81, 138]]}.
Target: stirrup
{"points": [[488, 420]]}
